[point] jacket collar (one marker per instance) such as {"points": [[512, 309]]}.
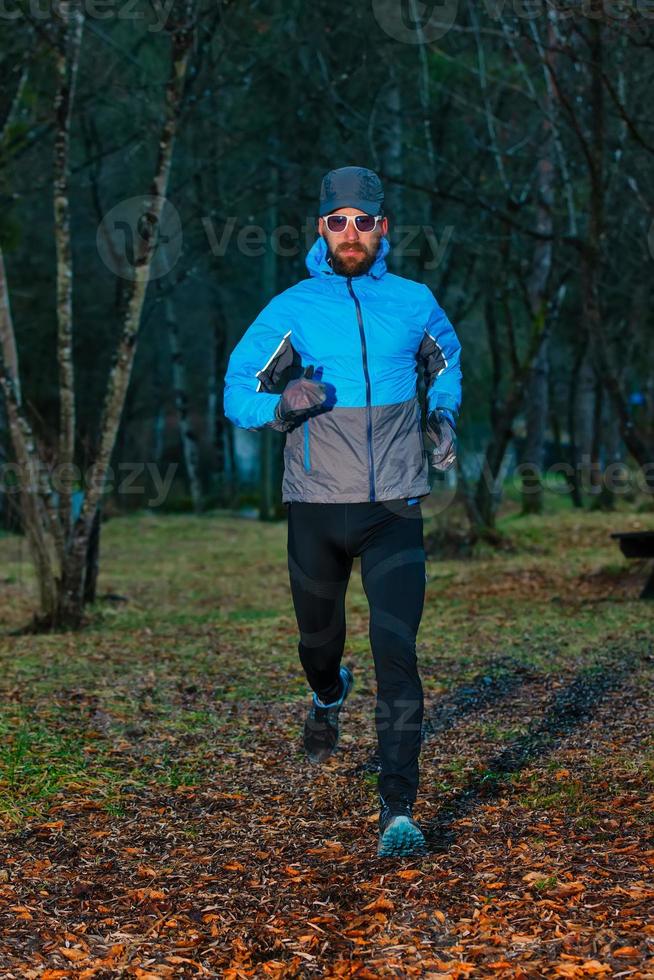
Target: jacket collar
{"points": [[317, 264]]}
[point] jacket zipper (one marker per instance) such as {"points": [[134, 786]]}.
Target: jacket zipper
{"points": [[364, 356]]}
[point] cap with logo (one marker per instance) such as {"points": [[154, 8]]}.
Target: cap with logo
{"points": [[351, 187]]}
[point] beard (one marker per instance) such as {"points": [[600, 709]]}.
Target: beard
{"points": [[355, 263]]}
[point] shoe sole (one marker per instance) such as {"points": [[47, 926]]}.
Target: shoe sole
{"points": [[402, 839], [318, 760]]}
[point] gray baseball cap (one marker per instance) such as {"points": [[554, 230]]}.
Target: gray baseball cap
{"points": [[351, 187]]}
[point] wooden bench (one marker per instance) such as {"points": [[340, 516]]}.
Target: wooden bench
{"points": [[639, 544]]}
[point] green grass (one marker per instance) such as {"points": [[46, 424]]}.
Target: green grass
{"points": [[209, 625], [544, 884]]}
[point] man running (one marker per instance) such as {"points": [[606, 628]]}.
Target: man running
{"points": [[353, 337]]}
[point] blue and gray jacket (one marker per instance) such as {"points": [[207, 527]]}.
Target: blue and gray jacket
{"points": [[367, 337]]}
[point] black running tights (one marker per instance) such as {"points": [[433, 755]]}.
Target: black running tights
{"points": [[323, 539]]}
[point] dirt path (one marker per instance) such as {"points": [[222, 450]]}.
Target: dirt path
{"points": [[541, 862]]}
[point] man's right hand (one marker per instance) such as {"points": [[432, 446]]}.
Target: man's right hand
{"points": [[300, 398]]}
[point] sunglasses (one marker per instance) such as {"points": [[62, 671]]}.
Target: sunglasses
{"points": [[363, 222]]}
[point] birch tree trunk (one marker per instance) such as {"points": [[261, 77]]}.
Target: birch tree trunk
{"points": [[59, 550], [66, 66], [72, 586]]}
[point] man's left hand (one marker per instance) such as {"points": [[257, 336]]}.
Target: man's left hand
{"points": [[443, 435]]}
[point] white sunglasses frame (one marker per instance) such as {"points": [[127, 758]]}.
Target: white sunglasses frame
{"points": [[352, 217]]}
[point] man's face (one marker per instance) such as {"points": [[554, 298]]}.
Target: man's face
{"points": [[352, 252]]}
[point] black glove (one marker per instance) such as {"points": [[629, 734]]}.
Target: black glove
{"points": [[442, 433], [299, 399]]}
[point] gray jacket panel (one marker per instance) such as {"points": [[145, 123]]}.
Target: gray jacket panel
{"points": [[327, 460]]}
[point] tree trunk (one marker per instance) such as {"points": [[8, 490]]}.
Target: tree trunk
{"points": [[71, 590], [92, 561], [537, 289], [180, 388], [391, 157], [224, 430], [536, 412], [61, 589], [269, 287], [489, 488], [638, 441], [595, 487], [216, 461], [584, 416], [613, 457], [66, 65], [216, 415], [35, 517]]}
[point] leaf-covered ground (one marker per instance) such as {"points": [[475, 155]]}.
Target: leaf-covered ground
{"points": [[160, 820]]}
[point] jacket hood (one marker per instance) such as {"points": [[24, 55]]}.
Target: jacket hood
{"points": [[317, 264]]}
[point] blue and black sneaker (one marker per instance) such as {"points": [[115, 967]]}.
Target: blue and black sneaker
{"points": [[321, 725], [399, 834]]}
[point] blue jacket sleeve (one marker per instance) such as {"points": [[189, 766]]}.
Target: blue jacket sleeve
{"points": [[255, 364], [440, 353]]}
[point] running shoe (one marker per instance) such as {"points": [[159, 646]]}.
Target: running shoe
{"points": [[399, 834], [321, 725]]}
